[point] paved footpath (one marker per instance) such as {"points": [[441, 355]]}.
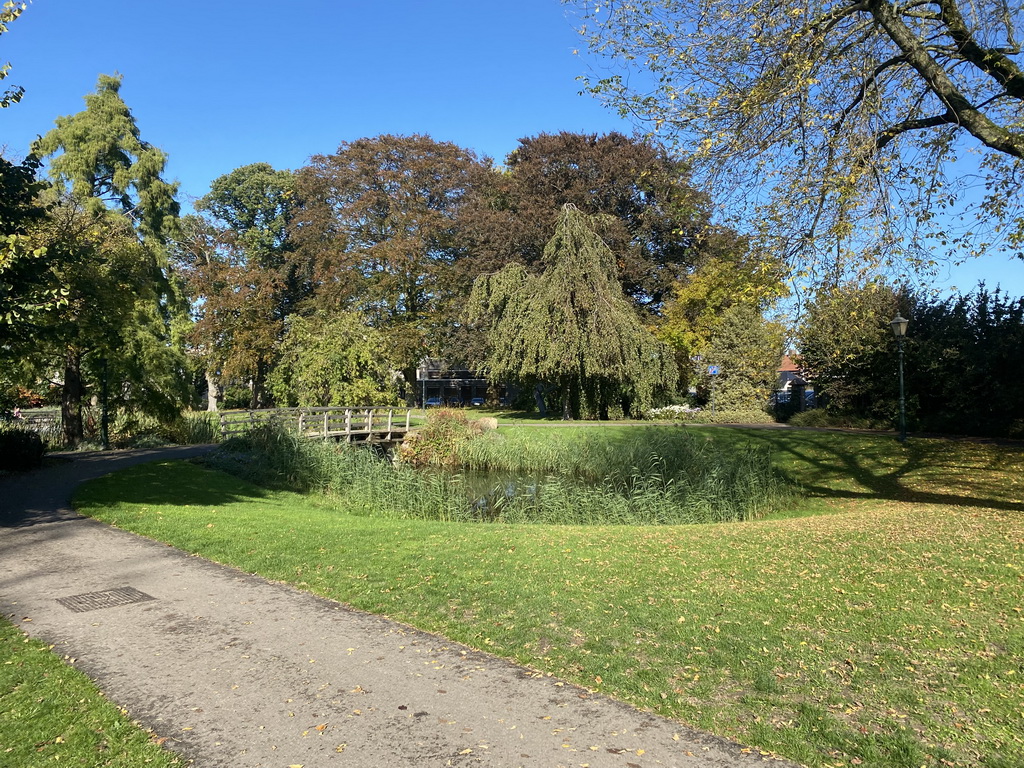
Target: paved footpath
{"points": [[240, 672]]}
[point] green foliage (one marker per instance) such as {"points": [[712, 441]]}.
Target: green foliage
{"points": [[964, 363], [110, 216], [98, 157], [687, 415], [732, 275], [747, 349], [572, 327], [27, 284], [21, 448], [255, 204], [847, 349], [963, 368], [437, 442], [333, 359], [9, 12]]}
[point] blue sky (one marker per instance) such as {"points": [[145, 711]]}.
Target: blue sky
{"points": [[224, 83]]}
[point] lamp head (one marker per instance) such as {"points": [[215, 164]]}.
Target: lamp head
{"points": [[899, 326]]}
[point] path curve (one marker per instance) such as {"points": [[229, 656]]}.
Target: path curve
{"points": [[240, 672]]}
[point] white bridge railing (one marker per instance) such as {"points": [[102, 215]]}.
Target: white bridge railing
{"points": [[376, 424]]}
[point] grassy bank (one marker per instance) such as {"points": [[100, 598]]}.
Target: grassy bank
{"points": [[885, 633], [52, 714]]}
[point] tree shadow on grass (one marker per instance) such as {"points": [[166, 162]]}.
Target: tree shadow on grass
{"points": [[921, 471], [182, 484], [42, 496]]}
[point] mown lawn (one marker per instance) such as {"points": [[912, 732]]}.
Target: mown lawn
{"points": [[881, 626], [52, 714]]}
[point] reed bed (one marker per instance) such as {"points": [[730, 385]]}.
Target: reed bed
{"points": [[592, 477]]}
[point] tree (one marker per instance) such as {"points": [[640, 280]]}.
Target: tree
{"points": [[237, 258], [112, 215], [964, 369], [378, 228], [27, 283], [653, 220], [333, 359], [572, 327], [846, 114], [26, 280], [847, 349], [98, 157], [734, 276], [746, 349]]}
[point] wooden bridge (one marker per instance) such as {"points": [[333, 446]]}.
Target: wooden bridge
{"points": [[352, 425]]}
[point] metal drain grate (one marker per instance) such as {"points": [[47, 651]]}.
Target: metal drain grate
{"points": [[111, 598]]}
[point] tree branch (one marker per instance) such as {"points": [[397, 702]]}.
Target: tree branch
{"points": [[938, 81]]}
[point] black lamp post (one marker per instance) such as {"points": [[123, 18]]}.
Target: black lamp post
{"points": [[899, 329]]}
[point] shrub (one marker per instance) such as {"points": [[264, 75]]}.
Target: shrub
{"points": [[827, 418], [691, 415], [437, 442], [20, 448], [194, 429]]}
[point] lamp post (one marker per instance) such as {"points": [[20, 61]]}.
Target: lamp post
{"points": [[899, 330]]}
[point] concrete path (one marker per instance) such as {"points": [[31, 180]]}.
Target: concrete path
{"points": [[239, 672]]}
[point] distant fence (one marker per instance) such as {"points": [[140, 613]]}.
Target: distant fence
{"points": [[353, 425]]}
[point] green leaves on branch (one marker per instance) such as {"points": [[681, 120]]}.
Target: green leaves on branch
{"points": [[333, 359], [98, 157], [8, 13]]}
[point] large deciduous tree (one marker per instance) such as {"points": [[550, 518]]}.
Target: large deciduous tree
{"points": [[378, 228], [736, 275], [572, 327], [745, 349], [837, 117], [654, 222], [847, 349], [333, 359], [238, 260]]}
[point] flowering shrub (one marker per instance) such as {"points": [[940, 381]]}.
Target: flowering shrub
{"points": [[699, 416], [673, 412]]}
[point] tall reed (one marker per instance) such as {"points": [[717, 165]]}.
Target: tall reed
{"points": [[645, 479]]}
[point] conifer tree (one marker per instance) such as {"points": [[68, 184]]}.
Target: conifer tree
{"points": [[112, 213]]}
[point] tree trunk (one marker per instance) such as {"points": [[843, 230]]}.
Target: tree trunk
{"points": [[538, 398], [213, 392], [71, 399]]}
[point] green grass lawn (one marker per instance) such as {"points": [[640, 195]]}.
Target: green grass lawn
{"points": [[881, 626], [52, 714]]}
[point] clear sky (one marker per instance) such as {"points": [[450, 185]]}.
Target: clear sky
{"points": [[224, 83]]}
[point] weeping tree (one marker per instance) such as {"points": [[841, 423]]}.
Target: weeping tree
{"points": [[571, 328]]}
